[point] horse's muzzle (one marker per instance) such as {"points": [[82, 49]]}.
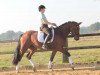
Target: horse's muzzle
{"points": [[76, 38]]}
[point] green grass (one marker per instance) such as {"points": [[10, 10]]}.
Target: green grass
{"points": [[7, 47], [79, 56], [84, 41]]}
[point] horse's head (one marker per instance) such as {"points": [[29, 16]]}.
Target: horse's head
{"points": [[75, 29]]}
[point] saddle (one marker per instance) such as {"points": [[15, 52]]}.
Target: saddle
{"points": [[41, 36]]}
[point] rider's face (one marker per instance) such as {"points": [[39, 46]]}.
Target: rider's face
{"points": [[42, 10]]}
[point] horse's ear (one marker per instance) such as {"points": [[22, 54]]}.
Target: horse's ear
{"points": [[80, 23]]}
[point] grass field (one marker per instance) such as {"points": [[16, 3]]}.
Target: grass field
{"points": [[79, 56]]}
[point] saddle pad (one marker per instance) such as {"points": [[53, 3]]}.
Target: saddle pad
{"points": [[40, 36]]}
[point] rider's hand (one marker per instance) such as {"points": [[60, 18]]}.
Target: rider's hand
{"points": [[54, 24]]}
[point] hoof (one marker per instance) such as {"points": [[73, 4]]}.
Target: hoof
{"points": [[50, 66], [34, 69], [17, 71], [51, 69], [72, 66]]}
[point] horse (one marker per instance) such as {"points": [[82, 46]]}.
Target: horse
{"points": [[29, 40]]}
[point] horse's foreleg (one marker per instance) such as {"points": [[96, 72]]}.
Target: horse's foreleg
{"points": [[71, 62], [69, 58], [50, 64]]}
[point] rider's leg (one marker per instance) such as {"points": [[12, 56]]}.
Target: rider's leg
{"points": [[46, 31]]}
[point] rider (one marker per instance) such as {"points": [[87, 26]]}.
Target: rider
{"points": [[44, 26]]}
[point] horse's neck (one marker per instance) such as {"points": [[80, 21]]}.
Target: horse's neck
{"points": [[65, 30]]}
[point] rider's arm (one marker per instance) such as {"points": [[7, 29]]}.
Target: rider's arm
{"points": [[46, 21]]}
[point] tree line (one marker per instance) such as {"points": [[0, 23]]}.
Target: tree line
{"points": [[93, 28], [10, 35]]}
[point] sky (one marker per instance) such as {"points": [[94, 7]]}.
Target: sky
{"points": [[23, 15]]}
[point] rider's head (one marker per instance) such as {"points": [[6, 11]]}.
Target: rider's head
{"points": [[41, 8]]}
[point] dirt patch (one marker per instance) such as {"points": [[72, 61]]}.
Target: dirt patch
{"points": [[58, 70], [54, 72]]}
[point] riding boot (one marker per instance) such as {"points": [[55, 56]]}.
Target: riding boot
{"points": [[45, 42]]}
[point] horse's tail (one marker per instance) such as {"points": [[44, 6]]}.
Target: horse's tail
{"points": [[16, 58]]}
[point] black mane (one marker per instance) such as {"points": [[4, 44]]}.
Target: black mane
{"points": [[63, 24], [67, 23]]}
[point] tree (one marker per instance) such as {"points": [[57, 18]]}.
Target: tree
{"points": [[10, 35], [95, 27]]}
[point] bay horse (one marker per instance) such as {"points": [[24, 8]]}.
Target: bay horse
{"points": [[29, 40]]}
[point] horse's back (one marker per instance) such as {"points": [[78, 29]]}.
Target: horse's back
{"points": [[29, 34]]}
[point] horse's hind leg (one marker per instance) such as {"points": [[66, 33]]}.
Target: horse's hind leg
{"points": [[32, 50]]}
